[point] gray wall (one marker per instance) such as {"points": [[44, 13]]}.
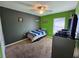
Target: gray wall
{"points": [[0, 11], [14, 30]]}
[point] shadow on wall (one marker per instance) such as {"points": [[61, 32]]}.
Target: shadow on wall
{"points": [[14, 30]]}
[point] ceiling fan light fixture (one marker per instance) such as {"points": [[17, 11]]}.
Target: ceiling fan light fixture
{"points": [[41, 12], [40, 8]]}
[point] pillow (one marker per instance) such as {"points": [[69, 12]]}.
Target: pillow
{"points": [[30, 35]]}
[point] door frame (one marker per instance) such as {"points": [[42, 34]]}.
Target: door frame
{"points": [[2, 41]]}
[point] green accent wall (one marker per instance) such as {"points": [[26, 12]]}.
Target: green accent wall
{"points": [[77, 9], [46, 22], [0, 53]]}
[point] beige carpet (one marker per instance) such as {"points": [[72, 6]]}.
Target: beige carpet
{"points": [[26, 49]]}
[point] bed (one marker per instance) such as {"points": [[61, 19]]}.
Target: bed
{"points": [[35, 35]]}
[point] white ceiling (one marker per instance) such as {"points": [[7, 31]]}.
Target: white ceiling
{"points": [[26, 6]]}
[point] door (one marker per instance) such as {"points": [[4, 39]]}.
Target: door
{"points": [[2, 46], [77, 29]]}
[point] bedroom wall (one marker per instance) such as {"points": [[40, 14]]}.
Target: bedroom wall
{"points": [[14, 30], [46, 22], [0, 52], [0, 11], [77, 9]]}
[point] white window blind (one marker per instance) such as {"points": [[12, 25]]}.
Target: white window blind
{"points": [[59, 23]]}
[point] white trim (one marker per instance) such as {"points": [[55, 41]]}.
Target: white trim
{"points": [[15, 42]]}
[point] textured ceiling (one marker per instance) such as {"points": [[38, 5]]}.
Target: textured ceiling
{"points": [[53, 6]]}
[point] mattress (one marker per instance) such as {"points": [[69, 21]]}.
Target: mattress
{"points": [[36, 34]]}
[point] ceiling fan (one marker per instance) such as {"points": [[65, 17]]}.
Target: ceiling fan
{"points": [[38, 7]]}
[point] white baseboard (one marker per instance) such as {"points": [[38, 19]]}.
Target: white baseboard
{"points": [[15, 42]]}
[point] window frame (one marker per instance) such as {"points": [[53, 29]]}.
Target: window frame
{"points": [[58, 25]]}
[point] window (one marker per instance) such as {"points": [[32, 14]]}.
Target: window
{"points": [[59, 23]]}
